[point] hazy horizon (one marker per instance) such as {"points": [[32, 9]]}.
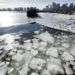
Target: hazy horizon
{"points": [[29, 3]]}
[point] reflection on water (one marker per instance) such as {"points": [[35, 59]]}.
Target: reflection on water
{"points": [[6, 19], [12, 18]]}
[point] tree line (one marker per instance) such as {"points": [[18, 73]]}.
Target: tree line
{"points": [[14, 9], [32, 12], [57, 8], [53, 8]]}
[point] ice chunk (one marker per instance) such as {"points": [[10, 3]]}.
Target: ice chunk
{"points": [[45, 72], [28, 46], [54, 60], [46, 37], [52, 52], [72, 51], [37, 63], [35, 43], [8, 38], [34, 73], [34, 52], [13, 71], [54, 69], [24, 70], [43, 44], [27, 57], [3, 68], [66, 45], [36, 32], [8, 47], [67, 56], [68, 70], [19, 60]]}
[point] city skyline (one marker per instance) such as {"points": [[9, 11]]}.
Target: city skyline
{"points": [[28, 3]]}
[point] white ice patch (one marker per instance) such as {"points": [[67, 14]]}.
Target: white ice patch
{"points": [[34, 73], [8, 38], [65, 45], [3, 68], [72, 51], [54, 69], [45, 72], [54, 61], [67, 56], [24, 70], [52, 52], [19, 60], [37, 63], [46, 37], [13, 71], [68, 70]]}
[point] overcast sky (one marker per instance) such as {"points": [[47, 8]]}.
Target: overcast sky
{"points": [[26, 3]]}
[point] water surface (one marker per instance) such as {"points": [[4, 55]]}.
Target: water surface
{"points": [[58, 21]]}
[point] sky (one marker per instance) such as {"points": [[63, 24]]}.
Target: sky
{"points": [[27, 3]]}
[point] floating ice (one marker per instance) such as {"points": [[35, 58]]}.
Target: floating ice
{"points": [[52, 52], [46, 37], [37, 63]]}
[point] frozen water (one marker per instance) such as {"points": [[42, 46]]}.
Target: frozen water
{"points": [[44, 54]]}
